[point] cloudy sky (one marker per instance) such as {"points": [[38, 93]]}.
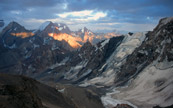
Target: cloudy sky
{"points": [[97, 15]]}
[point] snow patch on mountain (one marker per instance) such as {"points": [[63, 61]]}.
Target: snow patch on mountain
{"points": [[109, 102], [104, 43], [12, 46], [82, 30], [15, 28], [28, 54], [46, 40], [32, 40], [152, 87], [107, 78], [60, 28], [72, 73], [59, 64], [129, 44], [36, 46], [62, 90]]}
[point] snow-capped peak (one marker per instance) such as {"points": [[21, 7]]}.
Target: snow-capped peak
{"points": [[44, 25], [83, 30]]}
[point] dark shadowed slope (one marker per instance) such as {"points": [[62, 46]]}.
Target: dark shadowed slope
{"points": [[23, 92]]}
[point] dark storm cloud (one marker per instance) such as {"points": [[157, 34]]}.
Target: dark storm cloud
{"points": [[24, 4], [120, 11], [154, 8], [119, 5], [30, 8], [134, 9]]}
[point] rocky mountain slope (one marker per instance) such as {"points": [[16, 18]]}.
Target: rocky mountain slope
{"points": [[25, 49], [133, 70], [84, 63], [148, 71], [116, 59], [22, 92]]}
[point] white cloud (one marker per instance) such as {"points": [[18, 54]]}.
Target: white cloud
{"points": [[30, 9], [97, 16], [16, 12], [76, 13], [85, 15], [76, 24], [148, 18]]}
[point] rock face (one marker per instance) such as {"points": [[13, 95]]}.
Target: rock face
{"points": [[113, 63], [163, 107], [33, 52], [23, 92], [85, 63], [157, 45], [26, 52], [147, 71], [12, 35], [123, 106]]}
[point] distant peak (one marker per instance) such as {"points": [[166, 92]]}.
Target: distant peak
{"points": [[60, 24], [44, 25], [14, 24], [47, 22], [83, 30]]}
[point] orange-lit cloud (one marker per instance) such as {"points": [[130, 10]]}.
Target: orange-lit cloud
{"points": [[23, 34]]}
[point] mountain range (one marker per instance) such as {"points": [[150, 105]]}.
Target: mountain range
{"points": [[103, 69]]}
